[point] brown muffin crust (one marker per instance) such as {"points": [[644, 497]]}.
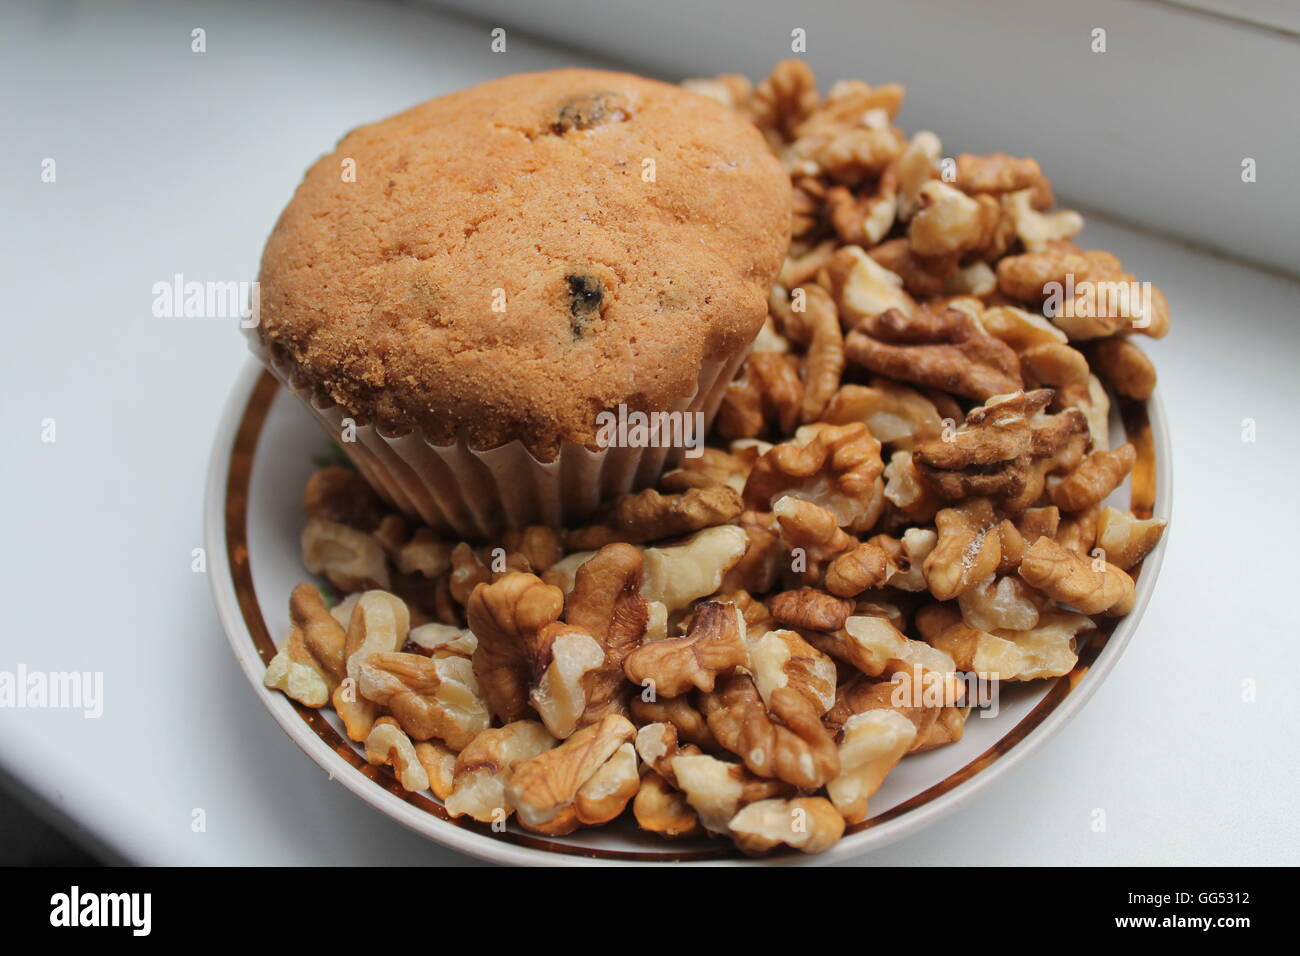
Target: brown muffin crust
{"points": [[378, 294]]}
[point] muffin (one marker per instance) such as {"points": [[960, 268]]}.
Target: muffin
{"points": [[460, 291]]}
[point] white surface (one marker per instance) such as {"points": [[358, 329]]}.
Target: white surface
{"points": [[175, 162], [1275, 14]]}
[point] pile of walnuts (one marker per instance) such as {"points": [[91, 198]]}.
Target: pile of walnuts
{"points": [[905, 487]]}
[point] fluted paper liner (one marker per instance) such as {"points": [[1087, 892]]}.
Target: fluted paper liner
{"points": [[475, 495]]}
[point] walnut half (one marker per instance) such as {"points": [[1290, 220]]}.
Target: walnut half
{"points": [[574, 784], [1066, 577], [809, 824], [713, 645]]}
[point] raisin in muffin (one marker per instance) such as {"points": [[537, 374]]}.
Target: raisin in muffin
{"points": [[463, 288]]}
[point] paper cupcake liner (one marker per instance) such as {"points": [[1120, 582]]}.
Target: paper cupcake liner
{"points": [[475, 495]]}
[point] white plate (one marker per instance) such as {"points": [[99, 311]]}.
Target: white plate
{"points": [[264, 452]]}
